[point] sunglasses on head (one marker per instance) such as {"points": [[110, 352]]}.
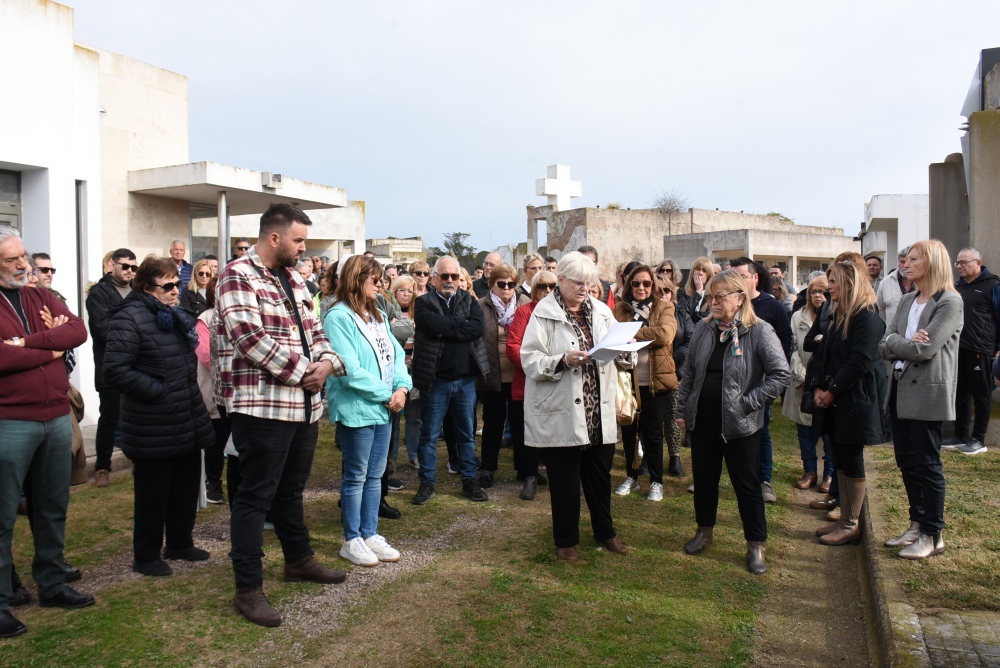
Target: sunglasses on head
{"points": [[450, 277], [506, 285], [46, 270], [168, 287], [205, 274], [128, 267], [420, 273], [642, 284]]}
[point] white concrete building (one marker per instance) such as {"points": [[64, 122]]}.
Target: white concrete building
{"points": [[94, 156], [893, 222]]}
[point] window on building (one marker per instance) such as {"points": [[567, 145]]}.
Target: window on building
{"points": [[10, 199]]}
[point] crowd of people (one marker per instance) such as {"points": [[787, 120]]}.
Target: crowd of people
{"points": [[233, 364]]}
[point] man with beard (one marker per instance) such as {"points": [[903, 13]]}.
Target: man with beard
{"points": [[274, 359]]}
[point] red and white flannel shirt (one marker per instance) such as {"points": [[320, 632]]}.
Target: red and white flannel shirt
{"points": [[260, 363]]}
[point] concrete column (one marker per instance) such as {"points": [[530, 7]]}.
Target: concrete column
{"points": [[792, 275], [949, 203], [222, 213], [984, 178]]}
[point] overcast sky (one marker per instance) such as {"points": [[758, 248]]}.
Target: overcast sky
{"points": [[441, 115]]}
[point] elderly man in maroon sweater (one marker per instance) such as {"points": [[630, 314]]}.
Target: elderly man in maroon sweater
{"points": [[36, 437]]}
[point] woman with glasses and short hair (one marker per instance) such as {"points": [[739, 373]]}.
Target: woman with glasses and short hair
{"points": [[194, 299], [499, 306], [525, 458], [150, 358], [735, 367], [653, 376]]}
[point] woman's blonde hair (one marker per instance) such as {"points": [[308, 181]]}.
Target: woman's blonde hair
{"points": [[938, 264], [405, 281], [819, 282], [856, 293], [706, 265], [468, 280], [193, 283], [542, 277], [730, 281]]}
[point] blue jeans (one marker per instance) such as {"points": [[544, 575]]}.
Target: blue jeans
{"points": [[809, 437], [42, 450], [364, 454], [460, 396], [766, 465]]}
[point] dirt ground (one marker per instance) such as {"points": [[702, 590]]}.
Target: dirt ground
{"points": [[813, 614]]}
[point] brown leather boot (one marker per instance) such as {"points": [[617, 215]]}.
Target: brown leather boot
{"points": [[826, 503], [755, 557], [702, 539], [807, 480], [852, 497], [616, 546], [102, 478], [253, 604], [312, 570], [567, 553], [824, 486]]}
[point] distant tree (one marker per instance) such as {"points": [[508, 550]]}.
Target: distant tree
{"points": [[454, 245], [671, 202], [613, 205], [781, 216]]}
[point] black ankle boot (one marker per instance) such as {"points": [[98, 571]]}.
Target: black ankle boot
{"points": [[675, 469]]}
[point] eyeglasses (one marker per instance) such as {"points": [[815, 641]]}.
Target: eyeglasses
{"points": [[128, 267], [548, 287], [405, 291], [665, 270], [243, 248], [817, 292], [169, 287], [449, 277], [47, 270], [506, 285], [420, 273], [711, 299], [959, 263], [533, 269], [205, 274], [642, 284]]}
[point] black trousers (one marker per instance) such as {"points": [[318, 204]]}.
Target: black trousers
{"points": [[107, 426], [525, 458], [973, 389], [650, 426], [849, 458], [275, 460], [568, 469], [917, 444], [742, 457], [215, 454], [495, 406], [166, 496]]}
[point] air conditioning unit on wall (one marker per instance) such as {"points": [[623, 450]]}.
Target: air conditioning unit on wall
{"points": [[269, 180]]}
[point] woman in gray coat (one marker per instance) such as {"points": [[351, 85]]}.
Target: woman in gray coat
{"points": [[922, 341], [735, 367]]}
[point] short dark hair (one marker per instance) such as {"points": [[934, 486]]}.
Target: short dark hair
{"points": [[152, 268], [775, 266], [210, 257], [280, 216], [40, 256], [242, 239], [549, 258], [874, 257], [588, 250], [368, 253], [123, 253], [210, 287], [751, 266]]}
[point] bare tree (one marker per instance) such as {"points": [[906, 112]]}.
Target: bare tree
{"points": [[673, 201]]}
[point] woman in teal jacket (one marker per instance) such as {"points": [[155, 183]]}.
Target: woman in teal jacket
{"points": [[376, 383]]}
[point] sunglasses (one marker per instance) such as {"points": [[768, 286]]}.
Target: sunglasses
{"points": [[449, 277], [128, 267], [168, 287], [243, 248], [642, 284], [46, 270], [506, 285], [545, 286], [205, 274], [420, 273], [665, 270]]}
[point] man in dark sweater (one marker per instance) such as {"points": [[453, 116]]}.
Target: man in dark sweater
{"points": [[481, 286], [771, 311], [448, 353], [35, 429], [109, 291]]}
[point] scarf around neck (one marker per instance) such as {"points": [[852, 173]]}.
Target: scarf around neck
{"points": [[641, 310], [730, 330], [505, 312], [169, 318]]}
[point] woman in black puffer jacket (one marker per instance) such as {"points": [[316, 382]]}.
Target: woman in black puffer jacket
{"points": [[150, 359]]}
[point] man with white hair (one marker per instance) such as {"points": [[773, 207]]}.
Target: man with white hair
{"points": [[893, 287], [448, 353], [481, 286], [177, 250], [35, 429]]}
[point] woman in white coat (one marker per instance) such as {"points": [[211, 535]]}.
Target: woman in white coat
{"points": [[569, 404]]}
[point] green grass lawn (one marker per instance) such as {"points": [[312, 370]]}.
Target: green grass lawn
{"points": [[490, 594]]}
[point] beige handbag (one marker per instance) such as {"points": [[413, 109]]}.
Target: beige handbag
{"points": [[627, 404]]}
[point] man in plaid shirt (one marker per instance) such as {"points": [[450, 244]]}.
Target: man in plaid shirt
{"points": [[274, 359]]}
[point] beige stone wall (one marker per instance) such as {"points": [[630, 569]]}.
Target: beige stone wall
{"points": [[984, 177], [144, 125]]}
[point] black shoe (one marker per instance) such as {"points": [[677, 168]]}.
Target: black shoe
{"points": [[424, 494], [529, 488], [687, 440], [214, 496], [675, 469], [9, 625], [72, 573], [20, 596], [187, 554], [388, 512], [395, 484], [539, 479], [643, 470], [486, 479], [67, 598], [472, 490], [155, 568]]}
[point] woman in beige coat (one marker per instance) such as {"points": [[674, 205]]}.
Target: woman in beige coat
{"points": [[569, 404]]}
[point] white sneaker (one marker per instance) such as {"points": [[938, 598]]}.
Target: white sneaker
{"points": [[630, 485], [655, 492], [378, 546], [356, 551]]}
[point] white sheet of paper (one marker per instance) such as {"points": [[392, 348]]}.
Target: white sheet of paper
{"points": [[608, 354], [619, 334]]}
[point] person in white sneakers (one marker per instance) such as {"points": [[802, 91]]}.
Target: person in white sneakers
{"points": [[377, 383]]}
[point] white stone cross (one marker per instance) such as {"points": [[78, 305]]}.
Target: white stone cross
{"points": [[558, 187]]}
